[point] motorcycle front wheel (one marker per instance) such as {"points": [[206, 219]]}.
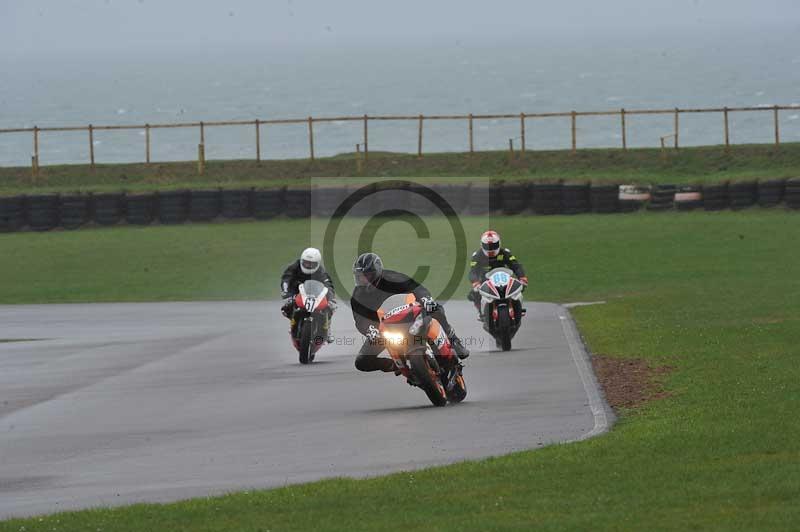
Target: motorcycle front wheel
{"points": [[504, 328], [306, 344], [427, 379]]}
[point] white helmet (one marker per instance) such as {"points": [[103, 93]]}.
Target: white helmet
{"points": [[310, 259]]}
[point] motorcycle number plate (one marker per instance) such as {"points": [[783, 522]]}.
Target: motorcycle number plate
{"points": [[500, 278], [310, 303]]}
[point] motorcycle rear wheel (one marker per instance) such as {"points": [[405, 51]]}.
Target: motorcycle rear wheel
{"points": [[425, 379]]}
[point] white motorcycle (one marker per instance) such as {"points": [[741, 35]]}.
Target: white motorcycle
{"points": [[501, 305]]}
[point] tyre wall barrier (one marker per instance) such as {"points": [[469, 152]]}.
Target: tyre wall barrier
{"points": [[546, 198], [173, 206], [385, 201], [770, 193], [236, 203], [325, 200], [576, 198], [42, 212], [742, 194], [456, 195], [298, 202], [689, 198], [514, 198], [12, 213], [605, 198], [716, 197], [662, 198], [108, 209], [633, 197], [47, 211], [74, 211], [140, 209], [479, 199], [268, 203], [791, 194], [204, 205]]}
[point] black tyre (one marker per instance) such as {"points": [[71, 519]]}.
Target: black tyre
{"points": [[458, 391], [268, 203], [504, 328], [425, 379], [479, 199], [306, 345], [514, 197], [12, 214], [546, 198]]}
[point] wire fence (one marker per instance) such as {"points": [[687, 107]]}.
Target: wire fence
{"points": [[524, 119]]}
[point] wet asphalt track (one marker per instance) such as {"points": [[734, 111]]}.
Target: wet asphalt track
{"points": [[156, 402]]}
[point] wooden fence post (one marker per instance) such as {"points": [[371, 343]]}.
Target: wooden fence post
{"points": [[471, 138], [522, 131], [727, 137], [511, 150], [676, 128], [366, 139], [201, 158], [147, 143], [574, 133], [36, 142], [311, 136], [624, 129], [419, 138], [359, 165], [91, 144], [777, 127], [258, 141]]}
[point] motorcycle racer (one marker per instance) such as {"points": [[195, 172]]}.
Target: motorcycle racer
{"points": [[308, 266], [490, 256], [373, 285]]}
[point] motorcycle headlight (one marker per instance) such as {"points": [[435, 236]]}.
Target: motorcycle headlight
{"points": [[393, 337]]}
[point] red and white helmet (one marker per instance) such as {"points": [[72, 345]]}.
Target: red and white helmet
{"points": [[490, 243]]}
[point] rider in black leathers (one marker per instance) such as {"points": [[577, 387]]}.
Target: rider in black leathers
{"points": [[373, 286], [491, 256], [307, 267]]}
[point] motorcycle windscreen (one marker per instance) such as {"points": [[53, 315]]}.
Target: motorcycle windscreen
{"points": [[500, 276], [395, 305], [314, 288]]}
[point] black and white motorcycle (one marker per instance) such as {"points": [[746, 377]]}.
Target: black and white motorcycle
{"points": [[501, 305]]}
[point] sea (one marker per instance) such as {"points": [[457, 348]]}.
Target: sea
{"points": [[531, 75]]}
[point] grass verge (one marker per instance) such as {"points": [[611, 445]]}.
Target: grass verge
{"points": [[644, 165], [712, 295]]}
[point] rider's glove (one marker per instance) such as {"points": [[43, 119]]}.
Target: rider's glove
{"points": [[524, 281], [333, 304], [476, 285], [286, 306], [285, 294], [372, 333], [430, 304]]}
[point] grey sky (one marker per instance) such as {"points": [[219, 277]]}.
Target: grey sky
{"points": [[77, 25]]}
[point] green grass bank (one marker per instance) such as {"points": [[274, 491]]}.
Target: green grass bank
{"points": [[642, 165], [713, 295]]}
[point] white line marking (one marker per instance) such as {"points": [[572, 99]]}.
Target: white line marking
{"points": [[600, 411], [582, 304]]}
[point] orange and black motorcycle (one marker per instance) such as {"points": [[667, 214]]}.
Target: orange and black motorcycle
{"points": [[420, 349]]}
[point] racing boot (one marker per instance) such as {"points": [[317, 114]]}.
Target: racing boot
{"points": [[461, 350]]}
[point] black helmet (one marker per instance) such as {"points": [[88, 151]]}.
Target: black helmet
{"points": [[367, 269]]}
